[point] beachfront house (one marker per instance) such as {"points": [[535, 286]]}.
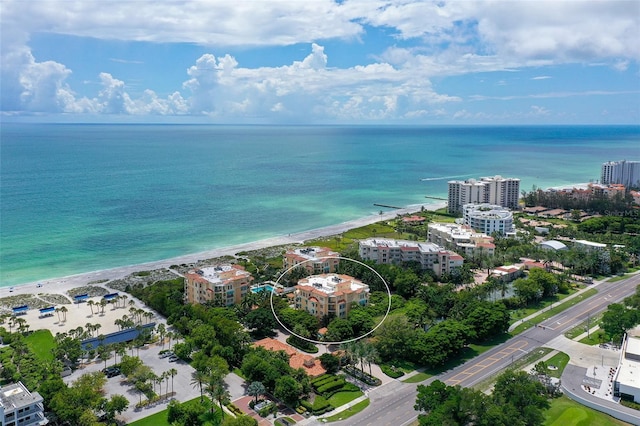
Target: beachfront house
{"points": [[330, 294], [224, 285], [315, 260], [428, 255]]}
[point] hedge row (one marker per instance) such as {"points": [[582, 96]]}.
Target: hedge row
{"points": [[364, 377], [337, 384], [324, 381], [348, 387], [321, 405], [322, 377]]}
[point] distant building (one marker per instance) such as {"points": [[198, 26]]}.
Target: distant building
{"points": [[626, 380], [429, 255], [589, 245], [623, 172], [552, 245], [497, 190], [330, 294], [507, 273], [609, 190], [488, 218], [225, 284], [20, 407], [316, 260], [461, 238]]}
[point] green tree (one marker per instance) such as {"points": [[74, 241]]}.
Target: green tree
{"points": [[288, 390], [115, 406], [618, 319], [524, 393], [329, 362]]}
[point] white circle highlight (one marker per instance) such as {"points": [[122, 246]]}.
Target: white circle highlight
{"points": [[342, 341]]}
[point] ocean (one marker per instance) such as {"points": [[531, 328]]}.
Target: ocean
{"points": [[81, 197]]}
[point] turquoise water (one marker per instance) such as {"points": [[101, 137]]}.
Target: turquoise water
{"points": [[77, 198], [266, 287]]}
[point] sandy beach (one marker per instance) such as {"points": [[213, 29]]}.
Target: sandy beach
{"points": [[62, 285]]}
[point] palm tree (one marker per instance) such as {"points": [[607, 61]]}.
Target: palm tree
{"points": [[162, 330], [103, 304], [64, 311], [170, 335], [57, 311], [199, 378], [91, 303], [217, 392], [173, 372], [256, 389]]}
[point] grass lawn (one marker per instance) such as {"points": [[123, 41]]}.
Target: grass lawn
{"points": [[41, 342], [560, 360], [340, 398], [348, 412], [540, 305], [555, 310], [595, 338], [417, 378], [566, 412], [579, 329], [160, 418]]}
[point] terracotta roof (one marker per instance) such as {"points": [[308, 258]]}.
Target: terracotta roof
{"points": [[310, 364]]}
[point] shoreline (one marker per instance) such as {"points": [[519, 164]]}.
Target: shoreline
{"points": [[63, 284]]}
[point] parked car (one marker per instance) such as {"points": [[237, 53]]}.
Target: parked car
{"points": [[173, 358], [165, 353], [111, 371]]}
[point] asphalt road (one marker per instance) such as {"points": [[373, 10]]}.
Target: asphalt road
{"points": [[392, 405]]}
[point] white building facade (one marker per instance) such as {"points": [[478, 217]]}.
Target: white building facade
{"points": [[488, 218], [461, 238], [20, 407], [497, 190], [623, 172]]}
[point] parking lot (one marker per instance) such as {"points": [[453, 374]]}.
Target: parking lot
{"points": [[150, 356]]}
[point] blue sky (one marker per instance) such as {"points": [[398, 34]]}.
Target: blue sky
{"points": [[321, 61]]}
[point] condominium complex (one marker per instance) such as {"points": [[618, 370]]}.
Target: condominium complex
{"points": [[330, 294], [493, 190], [623, 172], [316, 260], [20, 407], [461, 238], [429, 255], [488, 218], [225, 284]]}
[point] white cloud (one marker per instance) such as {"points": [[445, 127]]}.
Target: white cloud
{"points": [[435, 39]]}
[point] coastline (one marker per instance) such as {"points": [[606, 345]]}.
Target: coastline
{"points": [[61, 285]]}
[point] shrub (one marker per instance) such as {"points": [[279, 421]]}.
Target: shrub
{"points": [[322, 377], [320, 405], [391, 371], [326, 382], [306, 404], [331, 386], [364, 377]]}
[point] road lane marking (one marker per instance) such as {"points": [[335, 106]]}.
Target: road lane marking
{"points": [[474, 369]]}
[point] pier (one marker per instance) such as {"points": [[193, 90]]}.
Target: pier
{"points": [[435, 198], [387, 206]]}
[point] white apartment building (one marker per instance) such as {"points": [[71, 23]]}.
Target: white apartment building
{"points": [[429, 255], [625, 382], [497, 190], [19, 407], [623, 172], [488, 218], [461, 238], [316, 260]]}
